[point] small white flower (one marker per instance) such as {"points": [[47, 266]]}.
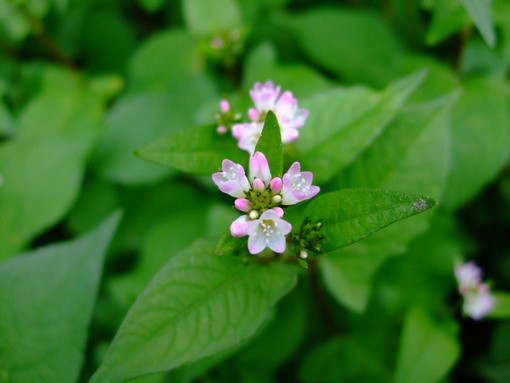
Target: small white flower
{"points": [[232, 179], [297, 185], [478, 302], [268, 231]]}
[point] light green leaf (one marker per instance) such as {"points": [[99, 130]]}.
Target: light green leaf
{"points": [[350, 215], [197, 305], [8, 124], [230, 245], [198, 150], [480, 138], [333, 38], [427, 350], [501, 308], [211, 16], [270, 143], [47, 300], [481, 13], [411, 155], [345, 122]]}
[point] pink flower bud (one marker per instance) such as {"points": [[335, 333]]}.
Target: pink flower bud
{"points": [[258, 184], [224, 106], [221, 129], [242, 204], [279, 211], [239, 227], [253, 114], [259, 167], [276, 185]]}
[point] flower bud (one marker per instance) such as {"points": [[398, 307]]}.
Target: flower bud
{"points": [[279, 211], [254, 214], [276, 185], [303, 254], [221, 129], [258, 184], [242, 204], [277, 198], [253, 114], [224, 106]]}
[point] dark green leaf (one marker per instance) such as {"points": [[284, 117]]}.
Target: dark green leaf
{"points": [[196, 306], [270, 143], [47, 300], [350, 215]]}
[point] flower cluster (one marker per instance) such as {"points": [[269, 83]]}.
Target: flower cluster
{"points": [[478, 299], [226, 118], [261, 196], [267, 97]]}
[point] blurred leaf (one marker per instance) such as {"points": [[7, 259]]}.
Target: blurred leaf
{"points": [[427, 350], [501, 308], [197, 305], [448, 17], [340, 360], [151, 6], [211, 16], [350, 215], [479, 59], [270, 143], [14, 23], [349, 50], [198, 150], [346, 121], [262, 65], [480, 137], [156, 66], [47, 300], [44, 167], [229, 244], [411, 155], [8, 124], [481, 13]]}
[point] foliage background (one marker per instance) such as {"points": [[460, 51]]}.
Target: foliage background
{"points": [[84, 83]]}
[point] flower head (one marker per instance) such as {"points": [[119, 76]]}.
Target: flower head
{"points": [[479, 302], [268, 231], [267, 97], [232, 179], [297, 185], [478, 299]]}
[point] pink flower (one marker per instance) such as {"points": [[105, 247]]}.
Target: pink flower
{"points": [[232, 179], [267, 231], [239, 228], [259, 168], [297, 185], [478, 302], [265, 96], [468, 275], [247, 135]]}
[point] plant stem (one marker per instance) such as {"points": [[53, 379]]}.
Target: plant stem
{"points": [[317, 292], [46, 40]]}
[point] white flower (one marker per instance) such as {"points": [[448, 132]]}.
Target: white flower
{"points": [[478, 302], [297, 185], [268, 231], [232, 179]]}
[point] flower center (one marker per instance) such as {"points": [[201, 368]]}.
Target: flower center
{"points": [[268, 227]]}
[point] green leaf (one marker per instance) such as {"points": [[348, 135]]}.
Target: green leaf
{"points": [[481, 13], [480, 139], [8, 124], [448, 17], [501, 308], [198, 150], [47, 298], [209, 17], [197, 305], [43, 168], [346, 121], [230, 245], [342, 359], [270, 143], [360, 54], [411, 155], [427, 350], [350, 215]]}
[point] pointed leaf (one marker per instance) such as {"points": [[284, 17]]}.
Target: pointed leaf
{"points": [[197, 150], [270, 143], [47, 297], [197, 305], [350, 215], [481, 13]]}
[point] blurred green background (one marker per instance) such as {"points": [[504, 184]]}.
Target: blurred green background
{"points": [[84, 83]]}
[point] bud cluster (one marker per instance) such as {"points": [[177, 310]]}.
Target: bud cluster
{"points": [[308, 238], [226, 117]]}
